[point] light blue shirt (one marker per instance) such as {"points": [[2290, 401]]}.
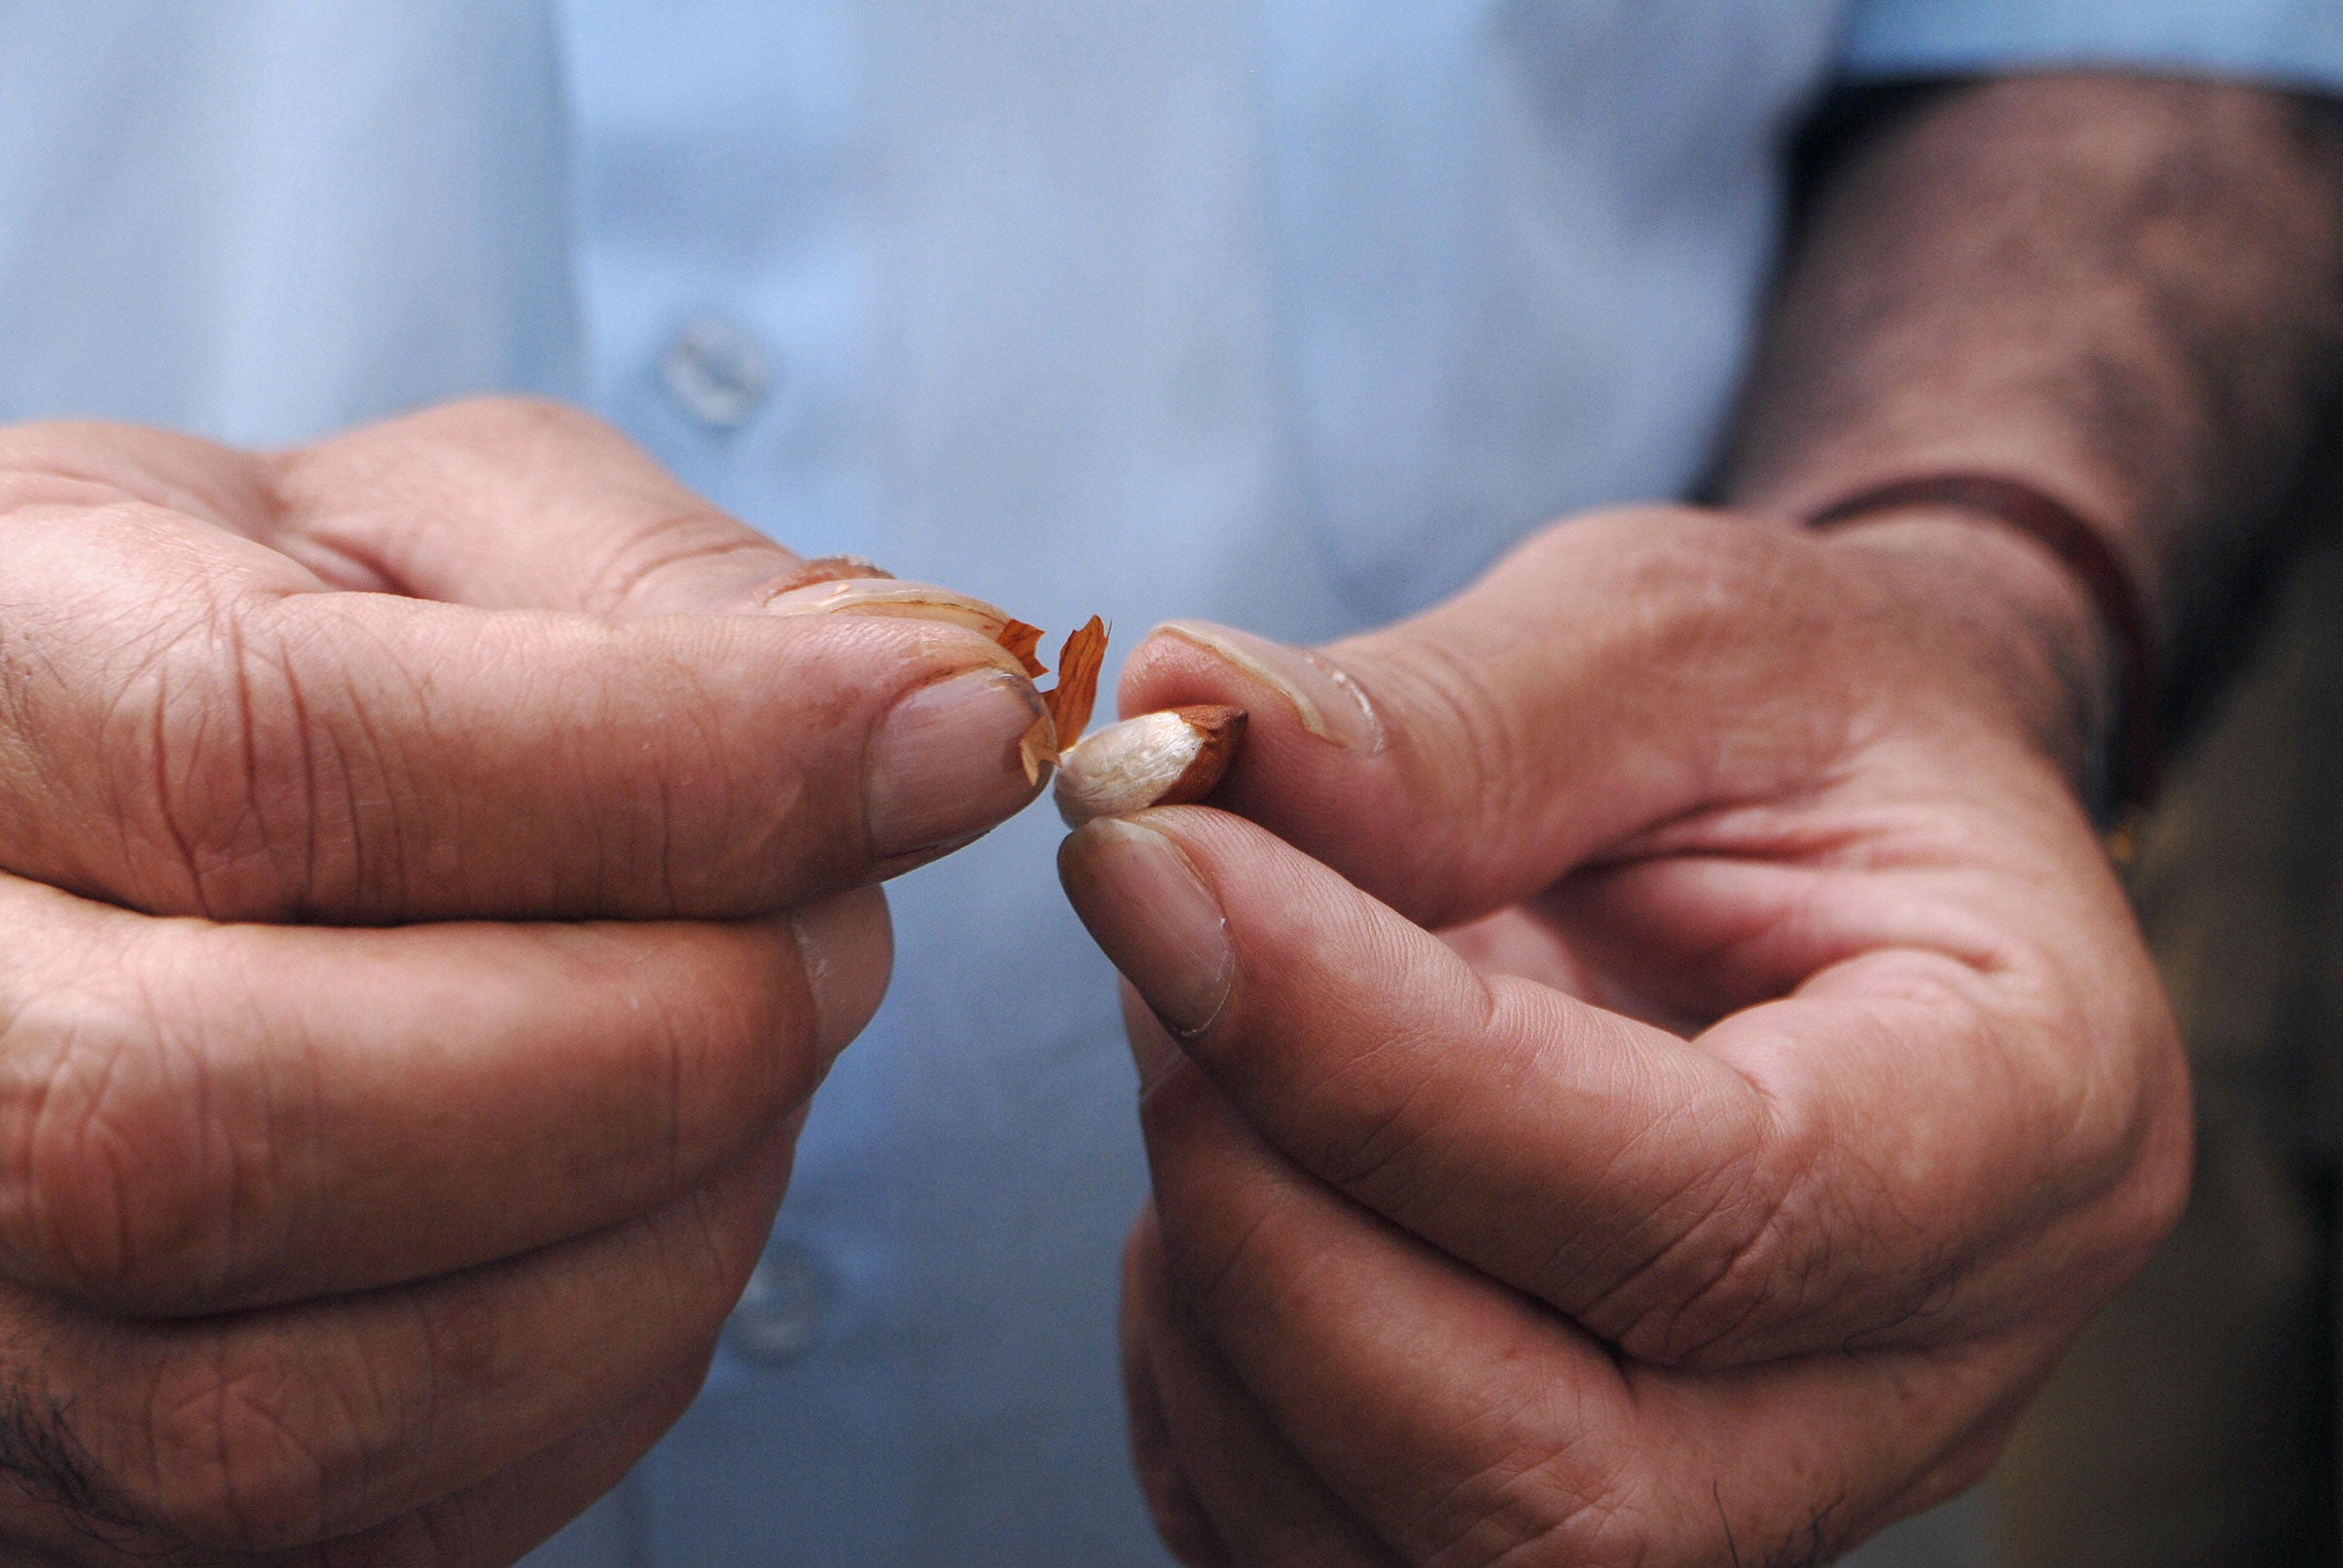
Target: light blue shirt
{"points": [[1286, 313]]}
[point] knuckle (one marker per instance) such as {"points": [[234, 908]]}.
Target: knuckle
{"points": [[1534, 1507], [210, 775], [1729, 1258], [644, 551], [248, 1455], [510, 421], [285, 770], [111, 1191], [151, 726], [644, 523]]}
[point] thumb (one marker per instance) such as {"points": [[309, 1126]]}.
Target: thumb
{"points": [[1465, 759]]}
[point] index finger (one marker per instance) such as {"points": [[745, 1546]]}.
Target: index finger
{"points": [[1787, 1181], [196, 724], [518, 504], [198, 1118]]}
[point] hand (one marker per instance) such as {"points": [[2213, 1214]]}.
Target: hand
{"points": [[1790, 1086], [434, 869]]}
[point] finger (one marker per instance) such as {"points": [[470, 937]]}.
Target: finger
{"points": [[1982, 1050], [1569, 1152], [517, 503], [1787, 1181], [499, 502], [1180, 1516], [1468, 1425], [1463, 759], [498, 1520], [267, 1431], [204, 1118], [1258, 1495], [485, 1526], [189, 729]]}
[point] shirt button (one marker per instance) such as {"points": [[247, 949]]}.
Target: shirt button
{"points": [[780, 1312], [717, 372]]}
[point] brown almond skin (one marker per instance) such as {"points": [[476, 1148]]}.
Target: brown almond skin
{"points": [[1223, 731]]}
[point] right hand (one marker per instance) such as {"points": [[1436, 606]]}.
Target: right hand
{"points": [[1662, 1073], [434, 876]]}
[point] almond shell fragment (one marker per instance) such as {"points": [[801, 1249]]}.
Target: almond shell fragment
{"points": [[1077, 689]]}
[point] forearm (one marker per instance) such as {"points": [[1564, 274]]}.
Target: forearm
{"points": [[2125, 292]]}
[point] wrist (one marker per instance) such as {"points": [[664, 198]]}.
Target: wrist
{"points": [[2019, 614]]}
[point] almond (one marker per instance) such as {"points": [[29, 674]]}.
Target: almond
{"points": [[1170, 758]]}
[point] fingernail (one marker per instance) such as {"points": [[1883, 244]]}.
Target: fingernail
{"points": [[848, 947], [948, 762], [1146, 906], [1327, 701]]}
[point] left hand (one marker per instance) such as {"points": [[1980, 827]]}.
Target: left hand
{"points": [[1790, 1084]]}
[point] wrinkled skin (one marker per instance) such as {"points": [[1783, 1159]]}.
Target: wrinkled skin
{"points": [[1667, 1100], [433, 880]]}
